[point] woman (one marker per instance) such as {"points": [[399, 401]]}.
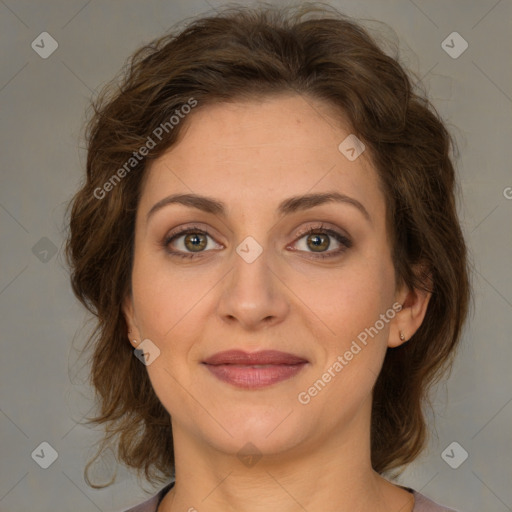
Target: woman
{"points": [[269, 225]]}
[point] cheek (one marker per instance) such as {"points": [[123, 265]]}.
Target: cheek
{"points": [[165, 297], [352, 307], [167, 305], [350, 300]]}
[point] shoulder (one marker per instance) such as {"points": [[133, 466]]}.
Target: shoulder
{"points": [[152, 503], [424, 504]]}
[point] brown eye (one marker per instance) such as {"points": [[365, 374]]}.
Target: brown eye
{"points": [[195, 241], [186, 242], [319, 242]]}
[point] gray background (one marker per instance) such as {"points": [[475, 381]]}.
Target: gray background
{"points": [[42, 106]]}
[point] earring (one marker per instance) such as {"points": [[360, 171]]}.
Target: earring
{"points": [[402, 337], [135, 342]]}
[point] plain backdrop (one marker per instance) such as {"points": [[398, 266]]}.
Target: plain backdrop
{"points": [[42, 109]]}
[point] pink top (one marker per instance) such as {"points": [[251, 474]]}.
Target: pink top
{"points": [[421, 503]]}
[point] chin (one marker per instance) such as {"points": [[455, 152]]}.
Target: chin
{"points": [[248, 442], [264, 431]]}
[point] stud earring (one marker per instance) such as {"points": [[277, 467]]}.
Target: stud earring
{"points": [[135, 342], [402, 337]]}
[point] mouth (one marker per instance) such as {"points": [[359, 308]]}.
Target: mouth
{"points": [[254, 370]]}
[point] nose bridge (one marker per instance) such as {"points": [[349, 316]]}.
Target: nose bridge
{"points": [[252, 293]]}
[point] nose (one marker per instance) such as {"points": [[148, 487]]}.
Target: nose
{"points": [[254, 295]]}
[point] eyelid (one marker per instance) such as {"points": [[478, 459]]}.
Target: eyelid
{"points": [[323, 227], [185, 230]]}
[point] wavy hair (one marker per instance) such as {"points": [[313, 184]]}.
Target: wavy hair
{"points": [[247, 53]]}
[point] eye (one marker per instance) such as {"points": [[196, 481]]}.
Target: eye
{"points": [[194, 240], [318, 239]]}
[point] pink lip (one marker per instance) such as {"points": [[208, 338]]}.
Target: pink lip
{"points": [[237, 367], [261, 357]]}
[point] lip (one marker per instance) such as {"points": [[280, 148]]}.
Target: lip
{"points": [[261, 357], [254, 370]]}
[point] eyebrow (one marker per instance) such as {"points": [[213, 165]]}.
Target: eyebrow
{"points": [[286, 207]]}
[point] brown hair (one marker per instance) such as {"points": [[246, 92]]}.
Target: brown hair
{"points": [[242, 53]]}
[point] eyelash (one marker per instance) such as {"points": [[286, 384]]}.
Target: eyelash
{"points": [[343, 240]]}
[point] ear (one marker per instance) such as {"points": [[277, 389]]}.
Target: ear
{"points": [[414, 307], [129, 315]]}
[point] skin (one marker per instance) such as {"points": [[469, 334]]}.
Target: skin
{"points": [[252, 155]]}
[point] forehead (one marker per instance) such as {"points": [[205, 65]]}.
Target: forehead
{"points": [[288, 125], [262, 150]]}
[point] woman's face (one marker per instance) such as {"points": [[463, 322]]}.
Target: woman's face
{"points": [[257, 280]]}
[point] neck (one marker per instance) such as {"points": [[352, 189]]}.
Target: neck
{"points": [[333, 473]]}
